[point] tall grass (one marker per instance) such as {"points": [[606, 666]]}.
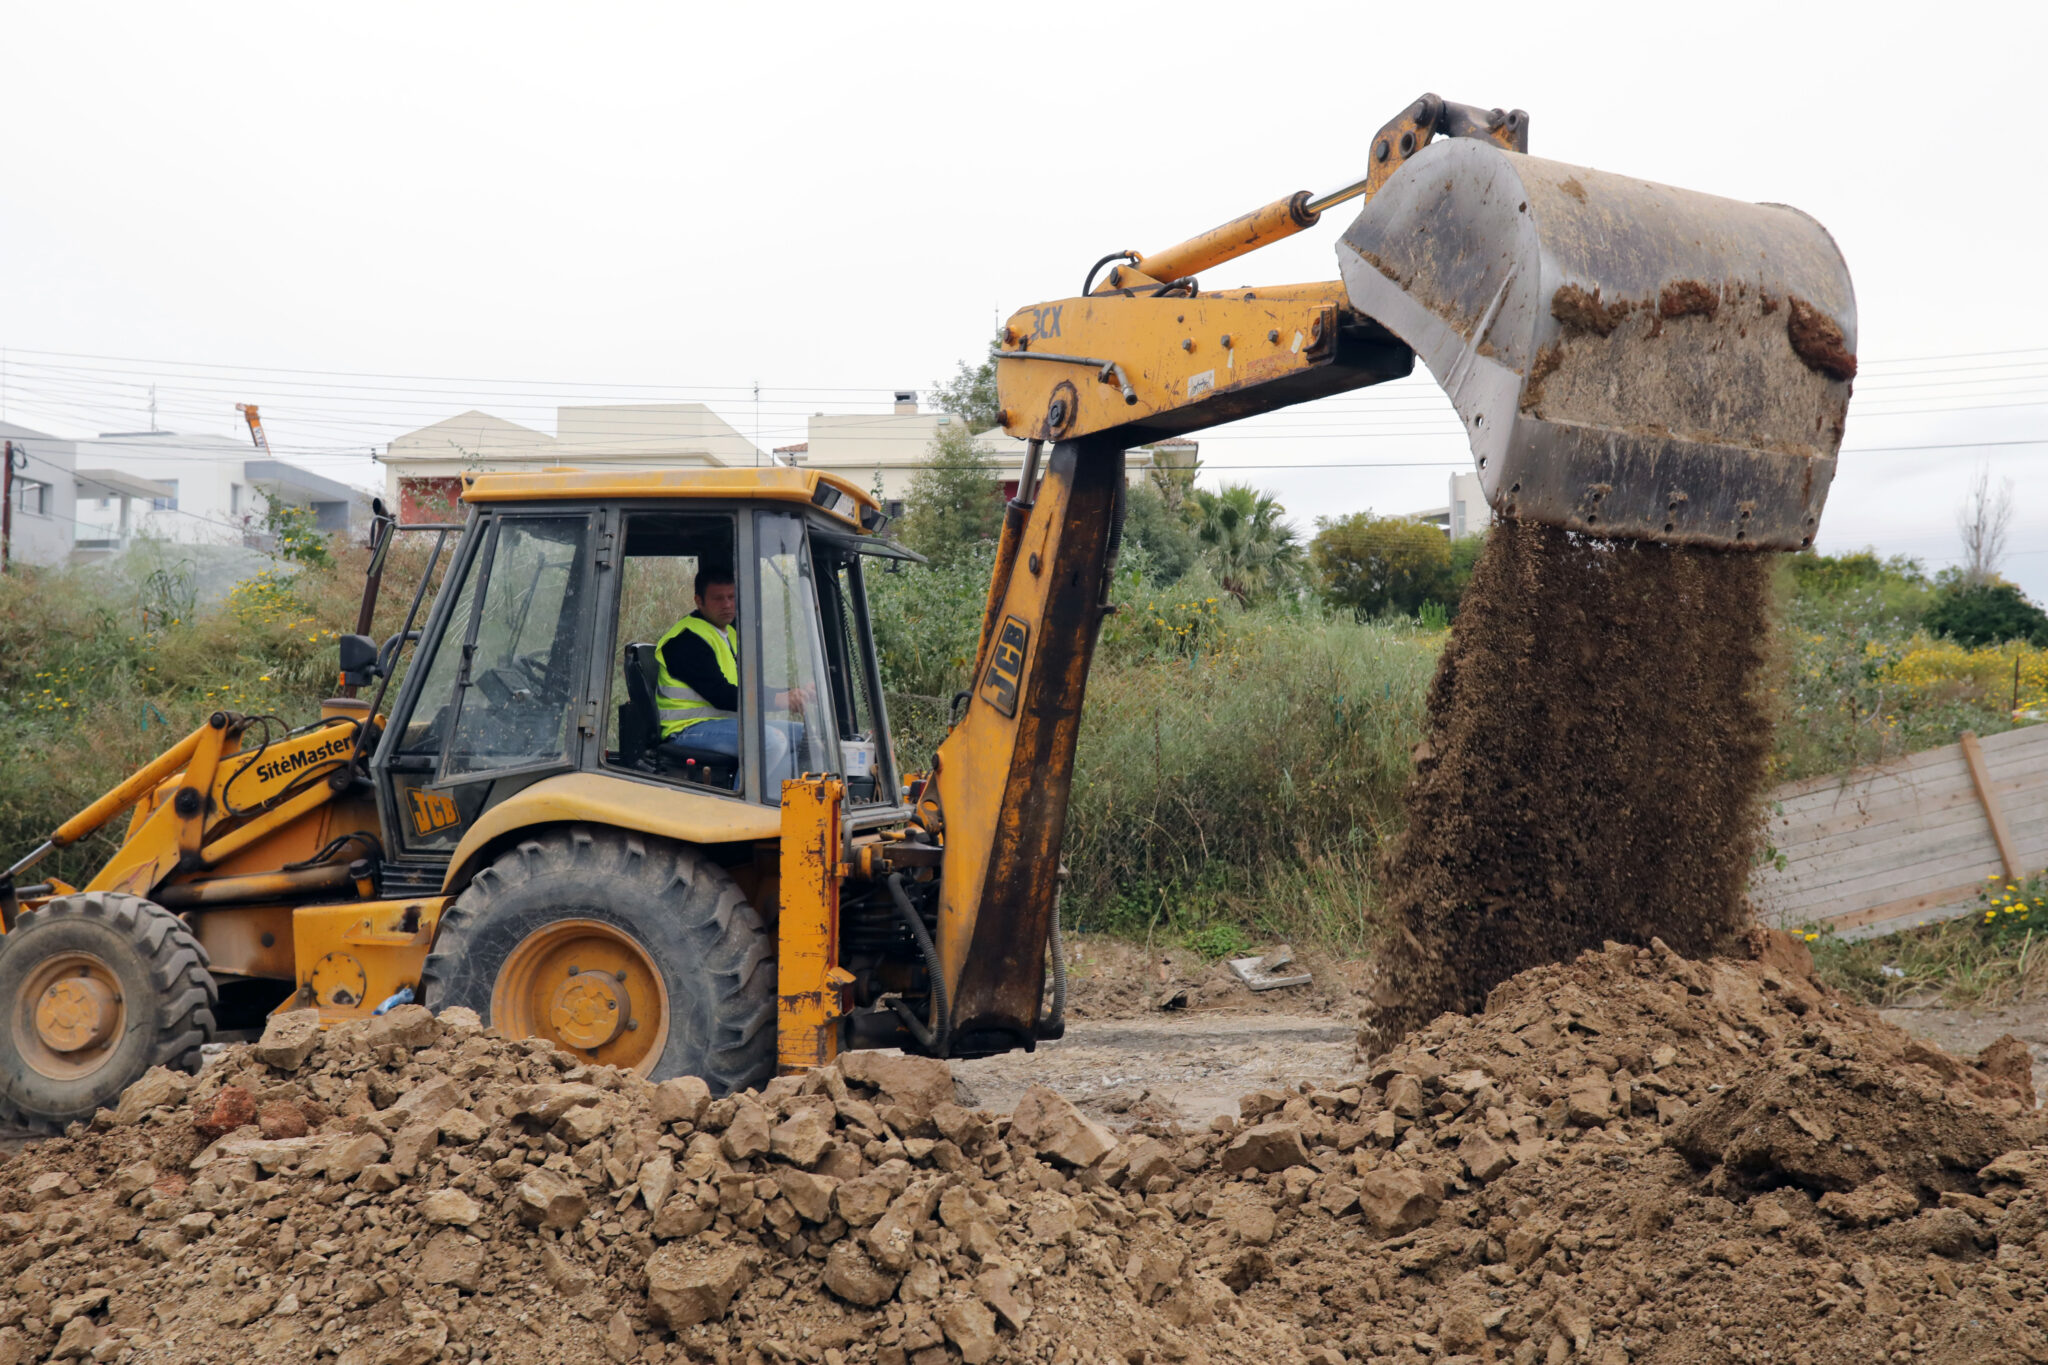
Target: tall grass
{"points": [[1252, 783]]}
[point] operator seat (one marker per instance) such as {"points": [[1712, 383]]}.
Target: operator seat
{"points": [[640, 741]]}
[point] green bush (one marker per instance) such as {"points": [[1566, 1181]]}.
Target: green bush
{"points": [[1986, 614]]}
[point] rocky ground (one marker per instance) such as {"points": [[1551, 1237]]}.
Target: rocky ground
{"points": [[1630, 1157]]}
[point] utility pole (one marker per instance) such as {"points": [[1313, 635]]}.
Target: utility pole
{"points": [[7, 509]]}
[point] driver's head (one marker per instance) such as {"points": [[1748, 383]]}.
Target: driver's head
{"points": [[718, 597]]}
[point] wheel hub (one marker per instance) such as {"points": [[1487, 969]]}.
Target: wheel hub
{"points": [[69, 1016], [75, 1013], [589, 1009], [588, 985]]}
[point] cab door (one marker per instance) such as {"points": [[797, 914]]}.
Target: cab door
{"points": [[503, 682]]}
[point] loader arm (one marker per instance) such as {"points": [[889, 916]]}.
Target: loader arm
{"points": [[1626, 359]]}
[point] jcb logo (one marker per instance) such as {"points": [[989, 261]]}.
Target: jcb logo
{"points": [[1006, 667], [1045, 323], [432, 811]]}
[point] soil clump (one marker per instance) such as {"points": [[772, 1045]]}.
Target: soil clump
{"points": [[1591, 767]]}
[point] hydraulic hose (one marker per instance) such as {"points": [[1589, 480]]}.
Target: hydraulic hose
{"points": [[936, 1041]]}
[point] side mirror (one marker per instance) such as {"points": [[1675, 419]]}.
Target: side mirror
{"points": [[358, 660]]}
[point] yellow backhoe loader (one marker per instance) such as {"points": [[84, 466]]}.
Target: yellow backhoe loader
{"points": [[516, 834]]}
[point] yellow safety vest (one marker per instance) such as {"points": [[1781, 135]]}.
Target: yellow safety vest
{"points": [[678, 705]]}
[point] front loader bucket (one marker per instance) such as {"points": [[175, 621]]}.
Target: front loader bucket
{"points": [[1628, 359]]}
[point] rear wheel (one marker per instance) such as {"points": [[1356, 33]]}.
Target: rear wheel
{"points": [[98, 988], [620, 949]]}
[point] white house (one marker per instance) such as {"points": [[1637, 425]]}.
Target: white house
{"points": [[423, 469], [44, 495], [208, 490], [889, 448], [1467, 513]]}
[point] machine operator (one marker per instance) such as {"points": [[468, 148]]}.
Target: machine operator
{"points": [[697, 664]]}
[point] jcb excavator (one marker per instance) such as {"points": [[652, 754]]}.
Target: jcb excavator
{"points": [[517, 835]]}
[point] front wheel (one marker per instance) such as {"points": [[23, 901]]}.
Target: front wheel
{"points": [[620, 949], [98, 988]]}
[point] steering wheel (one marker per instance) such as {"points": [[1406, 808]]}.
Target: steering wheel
{"points": [[535, 667]]}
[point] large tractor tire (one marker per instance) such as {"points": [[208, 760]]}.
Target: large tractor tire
{"points": [[98, 987], [620, 949]]}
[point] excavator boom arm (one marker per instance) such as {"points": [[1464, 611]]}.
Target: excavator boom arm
{"points": [[1626, 359]]}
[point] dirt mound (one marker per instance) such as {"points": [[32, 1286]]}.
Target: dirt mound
{"points": [[1591, 769], [1606, 1165]]}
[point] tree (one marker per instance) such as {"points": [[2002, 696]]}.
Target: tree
{"points": [[1163, 533], [956, 500], [1373, 565], [1977, 614], [971, 394], [1173, 474], [1245, 538], [1984, 520]]}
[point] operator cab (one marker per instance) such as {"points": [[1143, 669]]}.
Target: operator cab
{"points": [[541, 656]]}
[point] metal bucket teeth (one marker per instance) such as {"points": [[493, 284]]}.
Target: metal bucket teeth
{"points": [[1628, 359]]}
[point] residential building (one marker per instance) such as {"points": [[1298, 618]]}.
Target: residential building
{"points": [[887, 449], [424, 468], [1467, 513], [209, 490], [45, 494]]}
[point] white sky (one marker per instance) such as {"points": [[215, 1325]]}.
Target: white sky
{"points": [[368, 217]]}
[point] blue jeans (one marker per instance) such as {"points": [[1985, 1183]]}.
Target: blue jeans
{"points": [[779, 738]]}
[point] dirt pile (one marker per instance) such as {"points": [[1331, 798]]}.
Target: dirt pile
{"points": [[1630, 1157], [1594, 754]]}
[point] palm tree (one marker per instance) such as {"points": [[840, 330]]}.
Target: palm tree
{"points": [[1245, 537]]}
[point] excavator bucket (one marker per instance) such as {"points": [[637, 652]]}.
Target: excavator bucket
{"points": [[1628, 359]]}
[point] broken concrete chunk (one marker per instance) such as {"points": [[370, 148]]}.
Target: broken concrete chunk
{"points": [[288, 1040], [682, 1100], [407, 1026], [801, 1138], [853, 1277], [156, 1087], [1269, 973], [1266, 1147], [1396, 1201], [1055, 1128], [549, 1199], [683, 1291], [920, 1084]]}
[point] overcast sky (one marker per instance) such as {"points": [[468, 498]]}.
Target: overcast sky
{"points": [[368, 217]]}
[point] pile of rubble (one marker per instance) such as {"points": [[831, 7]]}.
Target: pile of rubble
{"points": [[1629, 1157]]}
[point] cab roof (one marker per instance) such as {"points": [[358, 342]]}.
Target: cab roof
{"points": [[828, 492]]}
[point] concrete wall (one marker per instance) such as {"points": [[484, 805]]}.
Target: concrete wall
{"points": [[45, 495]]}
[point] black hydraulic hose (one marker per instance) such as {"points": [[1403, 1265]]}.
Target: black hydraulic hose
{"points": [[936, 1042], [1088, 285]]}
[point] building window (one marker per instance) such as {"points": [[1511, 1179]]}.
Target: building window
{"points": [[234, 499], [30, 495], [169, 504], [105, 502]]}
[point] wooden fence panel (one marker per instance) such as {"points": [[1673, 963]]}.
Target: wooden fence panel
{"points": [[1908, 842]]}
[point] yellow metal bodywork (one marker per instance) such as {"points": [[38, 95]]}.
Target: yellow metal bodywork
{"points": [[596, 798], [1187, 359], [1004, 773], [775, 484], [349, 958], [810, 984]]}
